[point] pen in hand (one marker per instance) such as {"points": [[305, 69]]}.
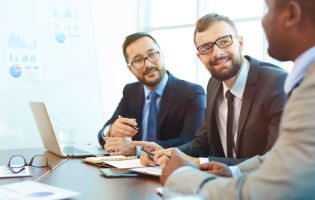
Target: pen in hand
{"points": [[128, 124], [147, 151], [167, 155]]}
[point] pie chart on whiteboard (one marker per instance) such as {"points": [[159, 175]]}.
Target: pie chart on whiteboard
{"points": [[15, 71], [60, 37]]}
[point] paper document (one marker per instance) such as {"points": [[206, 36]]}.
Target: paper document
{"points": [[5, 172], [29, 190], [122, 162], [125, 164], [155, 171]]}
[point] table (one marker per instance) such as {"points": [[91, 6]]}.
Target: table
{"points": [[84, 178]]}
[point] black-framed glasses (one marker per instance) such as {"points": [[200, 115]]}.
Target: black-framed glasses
{"points": [[222, 42], [18, 163], [139, 62]]}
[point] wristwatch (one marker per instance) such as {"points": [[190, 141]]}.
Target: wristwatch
{"points": [[106, 131]]}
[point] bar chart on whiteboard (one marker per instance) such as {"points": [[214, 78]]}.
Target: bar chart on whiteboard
{"points": [[22, 54], [66, 23]]}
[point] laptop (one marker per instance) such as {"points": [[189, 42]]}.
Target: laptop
{"points": [[49, 138]]}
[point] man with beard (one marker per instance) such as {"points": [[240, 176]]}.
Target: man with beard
{"points": [[166, 110], [287, 171], [245, 99]]}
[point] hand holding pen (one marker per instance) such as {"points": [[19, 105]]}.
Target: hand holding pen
{"points": [[123, 127]]}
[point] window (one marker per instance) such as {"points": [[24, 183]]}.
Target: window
{"points": [[172, 23]]}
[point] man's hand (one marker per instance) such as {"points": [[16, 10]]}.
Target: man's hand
{"points": [[121, 145], [160, 158], [174, 163], [146, 159], [216, 168], [121, 128]]}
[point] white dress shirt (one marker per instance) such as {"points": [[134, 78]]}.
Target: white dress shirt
{"points": [[221, 115]]}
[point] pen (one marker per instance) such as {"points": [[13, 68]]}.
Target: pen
{"points": [[128, 124], [167, 155], [147, 151]]}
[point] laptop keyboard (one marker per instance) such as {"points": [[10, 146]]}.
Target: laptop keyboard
{"points": [[72, 150]]}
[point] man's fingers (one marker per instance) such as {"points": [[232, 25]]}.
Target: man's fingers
{"points": [[160, 153], [140, 143], [112, 139], [114, 143], [205, 167], [145, 160], [113, 148], [162, 160], [115, 153], [131, 122], [125, 130]]}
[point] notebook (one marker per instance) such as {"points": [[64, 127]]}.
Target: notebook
{"points": [[50, 141], [154, 171], [121, 162]]}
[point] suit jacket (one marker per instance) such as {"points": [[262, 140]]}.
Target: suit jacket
{"points": [[288, 171], [180, 114], [262, 105]]}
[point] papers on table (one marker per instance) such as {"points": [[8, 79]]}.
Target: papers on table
{"points": [[29, 190], [122, 162], [5, 172], [155, 171]]}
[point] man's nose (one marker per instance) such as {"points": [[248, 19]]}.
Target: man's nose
{"points": [[217, 51], [147, 64]]}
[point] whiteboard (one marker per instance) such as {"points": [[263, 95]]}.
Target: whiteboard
{"points": [[70, 85]]}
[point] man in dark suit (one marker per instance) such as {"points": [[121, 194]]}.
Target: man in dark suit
{"points": [[245, 99], [166, 110]]}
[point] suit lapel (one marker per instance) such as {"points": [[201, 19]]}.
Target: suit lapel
{"points": [[167, 100], [248, 96], [215, 89], [137, 101]]}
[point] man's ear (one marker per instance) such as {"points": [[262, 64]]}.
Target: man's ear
{"points": [[199, 56], [293, 14], [241, 42], [129, 68]]}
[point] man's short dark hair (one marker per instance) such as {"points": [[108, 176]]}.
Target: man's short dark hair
{"points": [[306, 5], [209, 19], [133, 37]]}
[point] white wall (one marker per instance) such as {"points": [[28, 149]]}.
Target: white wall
{"points": [[81, 86], [113, 21]]}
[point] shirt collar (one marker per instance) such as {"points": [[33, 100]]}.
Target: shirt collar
{"points": [[301, 65], [158, 90], [239, 85]]}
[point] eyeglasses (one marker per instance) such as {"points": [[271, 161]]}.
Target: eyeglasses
{"points": [[222, 42], [18, 163], [139, 62]]}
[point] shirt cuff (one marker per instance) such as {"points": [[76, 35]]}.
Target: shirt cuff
{"points": [[235, 171], [181, 169], [138, 151], [203, 160], [105, 132]]}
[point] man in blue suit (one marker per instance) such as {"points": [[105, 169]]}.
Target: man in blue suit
{"points": [[166, 110]]}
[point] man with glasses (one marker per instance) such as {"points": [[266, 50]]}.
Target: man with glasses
{"points": [[159, 108], [287, 171], [245, 99]]}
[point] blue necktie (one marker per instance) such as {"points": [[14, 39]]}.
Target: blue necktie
{"points": [[152, 122]]}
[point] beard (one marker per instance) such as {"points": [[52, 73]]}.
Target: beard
{"points": [[236, 66], [145, 82]]}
